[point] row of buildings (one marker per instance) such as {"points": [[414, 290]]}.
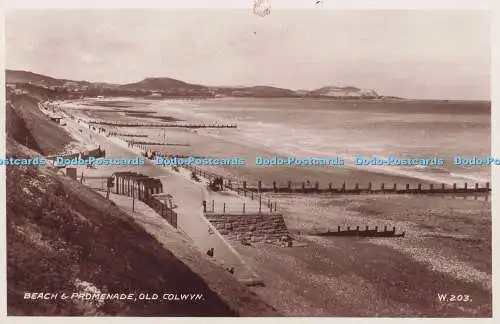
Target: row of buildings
{"points": [[13, 89], [65, 87]]}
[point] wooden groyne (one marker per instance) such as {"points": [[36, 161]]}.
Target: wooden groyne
{"points": [[144, 124], [243, 188], [367, 232], [152, 143], [305, 188], [116, 134]]}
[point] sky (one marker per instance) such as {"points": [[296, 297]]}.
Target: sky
{"points": [[423, 54]]}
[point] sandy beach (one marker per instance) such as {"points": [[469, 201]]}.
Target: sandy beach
{"points": [[448, 239], [446, 249]]}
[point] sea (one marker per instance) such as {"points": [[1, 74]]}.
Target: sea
{"points": [[326, 128]]}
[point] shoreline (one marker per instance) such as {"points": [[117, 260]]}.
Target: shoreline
{"points": [[326, 98], [453, 261], [210, 143]]}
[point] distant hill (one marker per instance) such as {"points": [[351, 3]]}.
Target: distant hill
{"points": [[344, 92], [20, 76], [161, 84], [16, 76], [167, 87], [271, 91], [255, 91]]}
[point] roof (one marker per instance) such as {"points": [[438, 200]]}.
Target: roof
{"points": [[141, 178]]}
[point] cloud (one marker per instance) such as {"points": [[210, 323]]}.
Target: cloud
{"points": [[90, 58]]}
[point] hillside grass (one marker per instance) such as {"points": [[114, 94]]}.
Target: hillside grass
{"points": [[59, 232], [27, 124]]}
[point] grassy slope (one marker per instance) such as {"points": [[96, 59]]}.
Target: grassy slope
{"points": [[16, 127], [58, 232], [48, 137], [57, 236]]}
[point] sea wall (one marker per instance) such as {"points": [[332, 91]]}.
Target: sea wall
{"points": [[256, 227]]}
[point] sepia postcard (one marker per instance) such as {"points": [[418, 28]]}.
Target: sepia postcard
{"points": [[255, 161]]}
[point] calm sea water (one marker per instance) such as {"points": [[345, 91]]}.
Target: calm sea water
{"points": [[326, 128]]}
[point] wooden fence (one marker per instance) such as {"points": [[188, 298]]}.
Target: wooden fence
{"points": [[264, 206], [161, 209]]}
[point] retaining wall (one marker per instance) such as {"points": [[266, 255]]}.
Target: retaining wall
{"points": [[252, 227]]}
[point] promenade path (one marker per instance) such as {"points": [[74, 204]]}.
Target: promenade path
{"points": [[187, 195]]}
